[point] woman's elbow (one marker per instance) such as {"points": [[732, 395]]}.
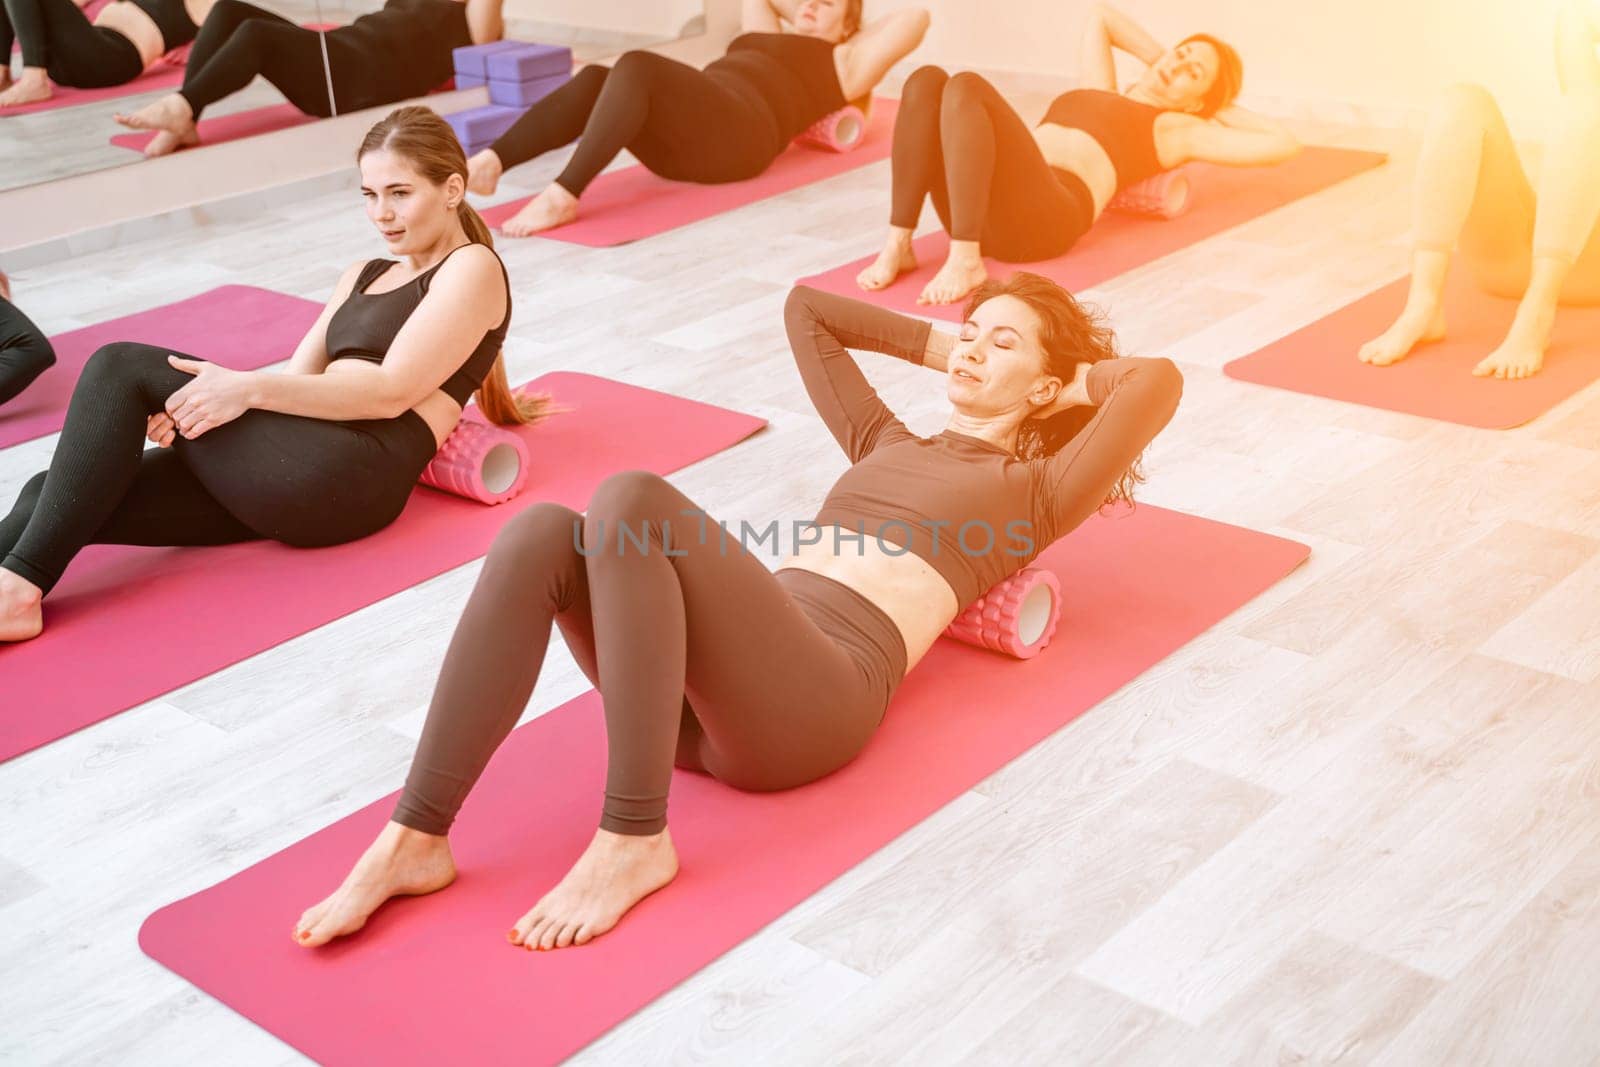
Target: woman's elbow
{"points": [[1287, 148]]}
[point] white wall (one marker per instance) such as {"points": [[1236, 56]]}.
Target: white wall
{"points": [[1391, 56], [654, 18]]}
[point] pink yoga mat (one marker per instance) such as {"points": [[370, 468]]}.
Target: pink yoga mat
{"points": [[1142, 585], [161, 76], [1436, 380], [234, 127], [229, 603], [1223, 197], [238, 326], [626, 205]]}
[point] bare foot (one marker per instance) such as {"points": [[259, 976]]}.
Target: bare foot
{"points": [[30, 88], [165, 143], [1415, 326], [961, 274], [401, 862], [553, 207], [21, 613], [1514, 358], [171, 113], [614, 873], [897, 258], [483, 172]]}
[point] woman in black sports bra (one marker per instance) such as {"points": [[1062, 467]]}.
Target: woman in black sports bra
{"points": [[1024, 195], [324, 453], [725, 123], [60, 44]]}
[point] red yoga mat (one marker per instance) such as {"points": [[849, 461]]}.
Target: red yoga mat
{"points": [[231, 599], [1436, 380], [629, 204], [234, 127], [238, 326], [1223, 198], [1138, 587]]}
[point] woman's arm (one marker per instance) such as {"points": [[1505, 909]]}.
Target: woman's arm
{"points": [[1136, 398], [762, 16], [1107, 29], [821, 326], [485, 24], [465, 300], [878, 46], [1577, 33], [1233, 137]]}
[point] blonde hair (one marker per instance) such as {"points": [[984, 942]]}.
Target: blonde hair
{"points": [[419, 136]]}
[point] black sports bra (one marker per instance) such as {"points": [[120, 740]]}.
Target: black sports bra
{"points": [[172, 19], [366, 323], [1125, 128]]}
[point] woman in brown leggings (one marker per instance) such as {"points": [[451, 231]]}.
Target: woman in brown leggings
{"points": [[708, 661]]}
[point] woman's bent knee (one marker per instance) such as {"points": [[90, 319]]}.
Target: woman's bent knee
{"points": [[542, 531]]}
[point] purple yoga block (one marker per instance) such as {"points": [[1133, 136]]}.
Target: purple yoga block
{"points": [[471, 60], [528, 62], [527, 93], [470, 81], [482, 124]]}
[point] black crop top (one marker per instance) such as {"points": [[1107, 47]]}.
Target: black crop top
{"points": [[172, 19], [792, 73], [365, 325], [973, 511], [1125, 129]]}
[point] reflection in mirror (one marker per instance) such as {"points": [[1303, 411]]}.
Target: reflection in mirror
{"points": [[74, 69]]}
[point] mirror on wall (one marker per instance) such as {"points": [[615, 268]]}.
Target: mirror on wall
{"points": [[75, 132]]}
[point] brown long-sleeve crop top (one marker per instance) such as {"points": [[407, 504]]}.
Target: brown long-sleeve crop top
{"points": [[976, 513]]}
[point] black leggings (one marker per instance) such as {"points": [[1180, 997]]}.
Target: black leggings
{"points": [[704, 658], [680, 122], [957, 139], [237, 41], [59, 37], [305, 482], [24, 352]]}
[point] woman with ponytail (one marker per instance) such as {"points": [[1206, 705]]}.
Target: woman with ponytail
{"points": [[324, 453]]}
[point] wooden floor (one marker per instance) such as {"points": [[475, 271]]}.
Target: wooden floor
{"points": [[1356, 822]]}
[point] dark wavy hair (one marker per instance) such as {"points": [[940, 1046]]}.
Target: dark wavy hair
{"points": [[1069, 333], [1230, 74]]}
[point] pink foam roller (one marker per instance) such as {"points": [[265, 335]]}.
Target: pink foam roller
{"points": [[1017, 617], [479, 462], [1162, 196], [837, 131]]}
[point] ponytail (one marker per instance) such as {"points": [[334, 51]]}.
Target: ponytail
{"points": [[495, 399], [421, 136]]}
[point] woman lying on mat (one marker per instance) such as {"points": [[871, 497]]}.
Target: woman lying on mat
{"points": [[60, 44], [767, 681], [1021, 194], [24, 352], [393, 54], [1472, 194], [325, 453], [722, 124]]}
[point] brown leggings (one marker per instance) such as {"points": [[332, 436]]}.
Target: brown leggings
{"points": [[704, 658]]}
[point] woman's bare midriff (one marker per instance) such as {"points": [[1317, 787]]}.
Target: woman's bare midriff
{"points": [[1074, 150], [438, 410], [904, 587], [136, 26]]}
